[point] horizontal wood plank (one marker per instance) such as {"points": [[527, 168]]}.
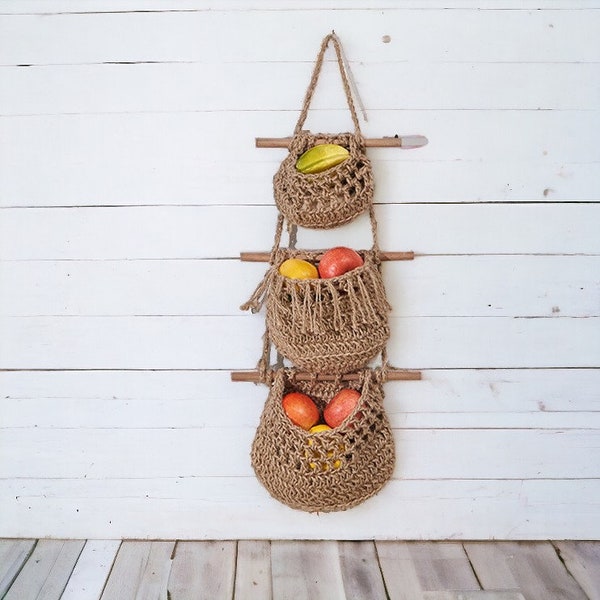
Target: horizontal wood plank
{"points": [[539, 286], [471, 157], [115, 399], [198, 232], [155, 36], [40, 7], [181, 87], [222, 451], [234, 342], [238, 507]]}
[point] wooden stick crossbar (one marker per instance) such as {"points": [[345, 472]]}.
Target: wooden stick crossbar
{"points": [[265, 256], [406, 142], [391, 375]]}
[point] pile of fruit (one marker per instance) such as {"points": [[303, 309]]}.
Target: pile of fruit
{"points": [[333, 263], [302, 410]]}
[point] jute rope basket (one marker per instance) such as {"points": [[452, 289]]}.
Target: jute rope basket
{"points": [[331, 325], [330, 470], [339, 194]]}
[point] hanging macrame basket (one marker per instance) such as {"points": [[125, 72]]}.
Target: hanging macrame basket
{"points": [[337, 195], [334, 325], [331, 470]]}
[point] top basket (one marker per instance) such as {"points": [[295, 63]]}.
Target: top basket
{"points": [[337, 195]]}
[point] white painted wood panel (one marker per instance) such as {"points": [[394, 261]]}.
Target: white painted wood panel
{"points": [[221, 232], [183, 87], [172, 36], [129, 183], [565, 286], [40, 7], [79, 398], [224, 451], [212, 342], [472, 156], [462, 399], [238, 507]]}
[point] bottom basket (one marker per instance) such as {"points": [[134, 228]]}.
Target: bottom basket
{"points": [[331, 470]]}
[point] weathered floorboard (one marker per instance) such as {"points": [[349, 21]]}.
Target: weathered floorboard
{"points": [[532, 568], [582, 559], [412, 568], [253, 570], [473, 595], [203, 571], [13, 555], [306, 571], [46, 573], [361, 573], [92, 570], [140, 572]]}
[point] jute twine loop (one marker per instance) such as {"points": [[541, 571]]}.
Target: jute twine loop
{"points": [[339, 194], [332, 37], [331, 470]]}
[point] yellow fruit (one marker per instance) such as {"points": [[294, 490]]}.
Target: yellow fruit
{"points": [[295, 268], [322, 157], [321, 427]]}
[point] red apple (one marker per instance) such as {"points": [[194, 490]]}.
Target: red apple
{"points": [[340, 406], [300, 409], [339, 260]]}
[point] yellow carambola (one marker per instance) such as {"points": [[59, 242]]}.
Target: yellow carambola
{"points": [[322, 157]]}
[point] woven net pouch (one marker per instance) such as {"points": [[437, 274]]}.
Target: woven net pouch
{"points": [[334, 196], [334, 325], [330, 470]]}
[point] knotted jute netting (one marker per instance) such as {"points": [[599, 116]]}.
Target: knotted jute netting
{"points": [[331, 470]]}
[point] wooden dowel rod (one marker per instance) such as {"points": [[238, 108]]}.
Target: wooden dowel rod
{"points": [[392, 375], [264, 256], [406, 142]]}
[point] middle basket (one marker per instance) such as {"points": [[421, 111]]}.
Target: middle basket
{"points": [[333, 325]]}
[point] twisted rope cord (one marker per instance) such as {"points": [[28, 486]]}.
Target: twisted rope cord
{"points": [[332, 37]]}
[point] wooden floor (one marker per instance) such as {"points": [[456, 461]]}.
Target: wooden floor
{"points": [[328, 570]]}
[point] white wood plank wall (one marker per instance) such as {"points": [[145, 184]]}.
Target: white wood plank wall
{"points": [[129, 184]]}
